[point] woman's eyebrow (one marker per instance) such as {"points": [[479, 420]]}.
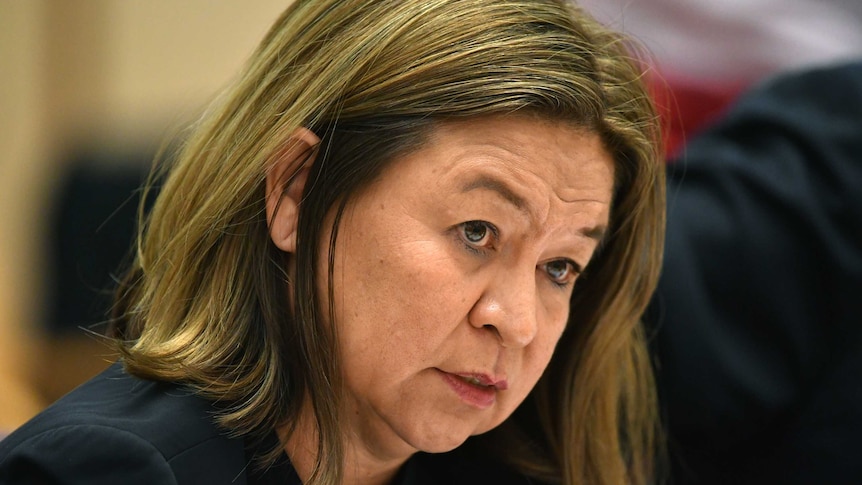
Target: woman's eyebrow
{"points": [[595, 232], [489, 182]]}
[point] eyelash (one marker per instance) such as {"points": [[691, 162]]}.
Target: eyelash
{"points": [[494, 235]]}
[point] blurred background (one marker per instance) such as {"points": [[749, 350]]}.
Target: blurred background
{"points": [[706, 53], [90, 89]]}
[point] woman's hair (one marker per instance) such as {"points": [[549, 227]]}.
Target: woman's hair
{"points": [[206, 301]]}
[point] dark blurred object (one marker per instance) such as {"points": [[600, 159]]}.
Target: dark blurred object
{"points": [[759, 309], [92, 230]]}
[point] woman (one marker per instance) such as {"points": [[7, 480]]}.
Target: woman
{"points": [[368, 249]]}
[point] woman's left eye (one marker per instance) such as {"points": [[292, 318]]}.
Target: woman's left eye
{"points": [[561, 271]]}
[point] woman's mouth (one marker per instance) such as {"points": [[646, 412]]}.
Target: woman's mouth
{"points": [[477, 390]]}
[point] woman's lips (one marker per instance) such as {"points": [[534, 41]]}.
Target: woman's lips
{"points": [[477, 390]]}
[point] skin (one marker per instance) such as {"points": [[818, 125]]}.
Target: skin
{"points": [[458, 263]]}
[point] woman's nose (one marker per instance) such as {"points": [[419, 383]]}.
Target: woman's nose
{"points": [[509, 307]]}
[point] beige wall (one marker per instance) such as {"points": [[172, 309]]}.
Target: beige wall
{"points": [[109, 72]]}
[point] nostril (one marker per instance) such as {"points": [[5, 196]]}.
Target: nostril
{"points": [[493, 328]]}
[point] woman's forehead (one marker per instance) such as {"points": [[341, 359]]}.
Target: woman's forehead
{"points": [[570, 159]]}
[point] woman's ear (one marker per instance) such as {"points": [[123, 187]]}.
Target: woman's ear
{"points": [[285, 182]]}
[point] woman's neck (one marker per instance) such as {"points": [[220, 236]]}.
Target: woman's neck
{"points": [[362, 465]]}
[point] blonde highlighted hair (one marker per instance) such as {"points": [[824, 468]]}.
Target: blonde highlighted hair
{"points": [[205, 302]]}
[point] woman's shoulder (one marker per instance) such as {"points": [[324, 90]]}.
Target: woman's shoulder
{"points": [[119, 427]]}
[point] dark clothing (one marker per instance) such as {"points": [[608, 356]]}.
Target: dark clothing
{"points": [[759, 309], [119, 429]]}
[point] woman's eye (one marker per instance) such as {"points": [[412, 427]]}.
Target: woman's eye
{"points": [[477, 233], [561, 271]]}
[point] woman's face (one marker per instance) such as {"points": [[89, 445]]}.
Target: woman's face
{"points": [[453, 274]]}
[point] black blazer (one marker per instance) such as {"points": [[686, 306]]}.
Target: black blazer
{"points": [[119, 429], [759, 310]]}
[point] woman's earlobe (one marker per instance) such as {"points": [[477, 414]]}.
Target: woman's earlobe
{"points": [[285, 184]]}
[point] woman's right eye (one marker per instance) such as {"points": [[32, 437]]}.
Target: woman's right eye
{"points": [[478, 234]]}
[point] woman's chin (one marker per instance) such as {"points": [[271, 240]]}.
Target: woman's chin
{"points": [[440, 441], [445, 441], [441, 446]]}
